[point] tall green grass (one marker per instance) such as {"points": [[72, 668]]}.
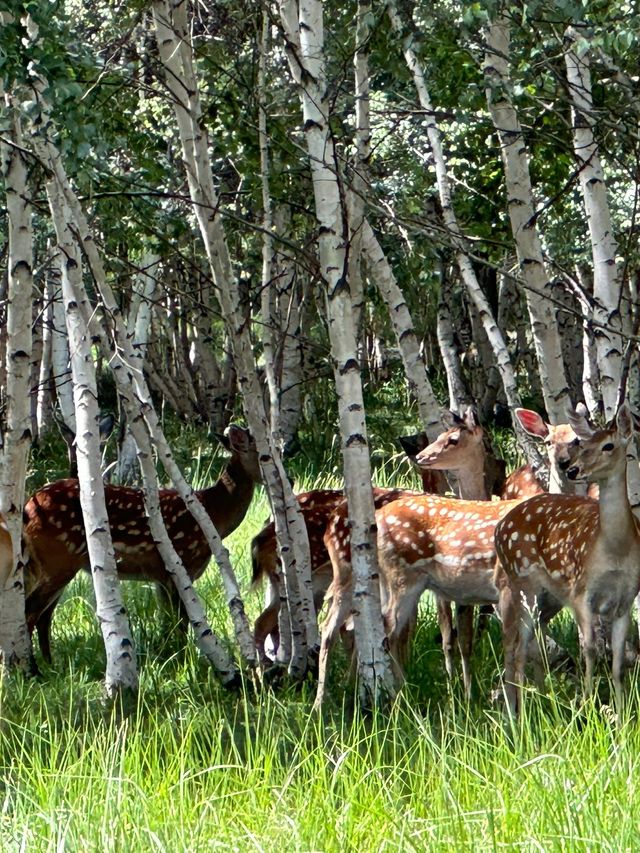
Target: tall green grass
{"points": [[196, 768]]}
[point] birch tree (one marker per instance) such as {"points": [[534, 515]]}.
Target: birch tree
{"points": [[15, 433], [304, 41], [522, 213], [175, 51], [607, 290]]}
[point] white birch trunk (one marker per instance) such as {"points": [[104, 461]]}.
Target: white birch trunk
{"points": [[175, 52], [607, 284], [459, 243], [60, 362], [522, 214], [121, 673], [44, 410], [15, 647], [303, 24]]}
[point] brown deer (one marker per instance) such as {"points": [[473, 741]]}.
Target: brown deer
{"points": [[460, 448], [54, 536], [424, 542], [557, 440], [584, 553], [318, 508]]}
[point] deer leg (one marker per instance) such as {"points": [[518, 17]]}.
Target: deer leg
{"points": [[445, 623], [464, 627], [584, 618], [619, 630], [484, 617], [43, 629], [266, 624], [510, 613], [338, 613]]}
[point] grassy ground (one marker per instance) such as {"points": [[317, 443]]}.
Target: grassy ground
{"points": [[198, 769]]}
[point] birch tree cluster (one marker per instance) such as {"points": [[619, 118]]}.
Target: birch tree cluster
{"points": [[334, 219]]}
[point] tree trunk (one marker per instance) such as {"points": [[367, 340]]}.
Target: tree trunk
{"points": [[175, 51], [303, 26], [538, 287], [15, 438]]}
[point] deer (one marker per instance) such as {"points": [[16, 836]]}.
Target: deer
{"points": [[523, 482], [425, 542], [317, 507], [55, 544], [585, 553], [461, 448]]}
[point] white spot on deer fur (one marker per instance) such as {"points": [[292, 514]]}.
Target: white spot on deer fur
{"points": [[514, 537], [62, 537], [392, 519]]}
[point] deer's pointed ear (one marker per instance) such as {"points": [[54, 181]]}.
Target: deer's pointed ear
{"points": [[532, 423], [579, 421], [471, 418], [624, 421], [451, 419]]}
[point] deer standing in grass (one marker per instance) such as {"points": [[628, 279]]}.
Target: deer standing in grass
{"points": [[441, 544], [459, 448], [586, 554], [55, 543]]}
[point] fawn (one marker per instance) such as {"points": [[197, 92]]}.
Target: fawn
{"points": [[586, 554]]}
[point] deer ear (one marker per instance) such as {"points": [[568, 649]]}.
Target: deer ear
{"points": [[579, 422], [471, 418], [624, 421], [413, 444], [451, 419], [532, 423]]}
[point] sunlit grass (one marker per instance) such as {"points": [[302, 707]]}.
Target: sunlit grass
{"points": [[196, 768]]}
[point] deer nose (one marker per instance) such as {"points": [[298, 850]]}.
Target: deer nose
{"points": [[572, 473]]}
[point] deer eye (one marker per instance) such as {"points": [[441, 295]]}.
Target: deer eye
{"points": [[454, 439], [608, 447]]}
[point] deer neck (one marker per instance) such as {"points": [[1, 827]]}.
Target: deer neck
{"points": [[617, 523], [227, 501], [471, 480]]}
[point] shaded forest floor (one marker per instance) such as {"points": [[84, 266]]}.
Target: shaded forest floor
{"points": [[196, 768]]}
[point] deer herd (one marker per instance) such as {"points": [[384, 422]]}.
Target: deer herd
{"points": [[527, 554]]}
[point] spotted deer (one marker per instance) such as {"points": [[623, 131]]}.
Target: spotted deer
{"points": [[585, 553], [425, 542], [558, 440], [55, 543], [318, 508], [461, 449]]}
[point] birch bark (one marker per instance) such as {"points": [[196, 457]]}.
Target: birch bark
{"points": [[607, 291], [458, 241], [175, 51], [15, 439], [607, 283], [304, 41], [522, 214], [121, 673]]}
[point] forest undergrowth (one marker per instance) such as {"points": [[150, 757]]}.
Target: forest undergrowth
{"points": [[194, 767]]}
